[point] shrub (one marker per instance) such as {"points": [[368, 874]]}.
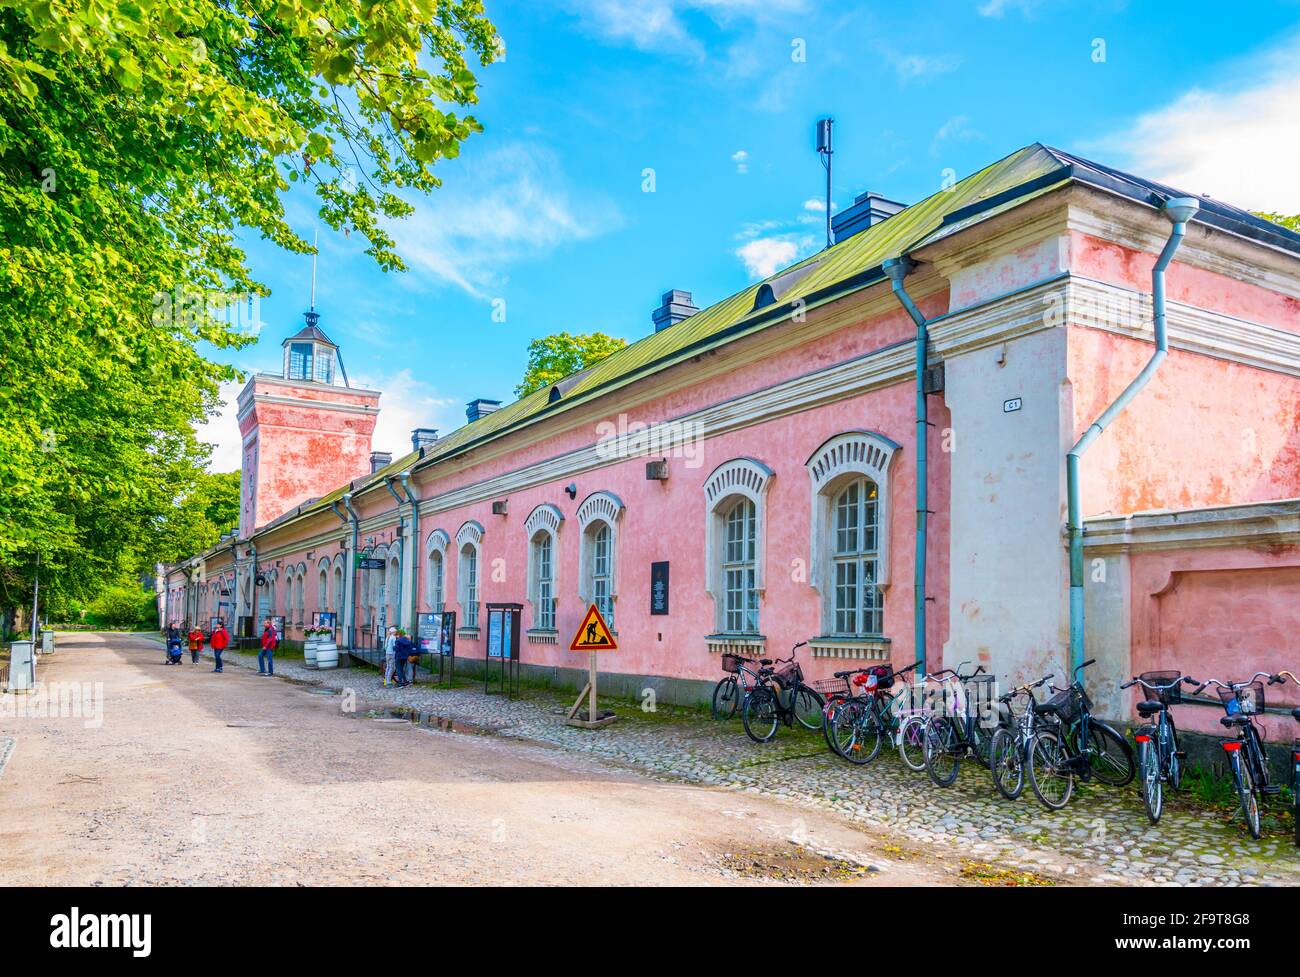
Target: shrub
{"points": [[125, 607]]}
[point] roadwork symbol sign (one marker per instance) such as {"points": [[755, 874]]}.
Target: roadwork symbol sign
{"points": [[593, 633]]}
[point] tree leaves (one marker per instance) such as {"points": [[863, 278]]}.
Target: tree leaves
{"points": [[138, 141], [554, 357]]}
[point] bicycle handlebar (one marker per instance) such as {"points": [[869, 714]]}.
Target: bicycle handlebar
{"points": [[1238, 686]]}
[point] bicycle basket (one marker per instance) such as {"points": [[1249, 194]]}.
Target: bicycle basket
{"points": [[1171, 696], [1068, 705], [884, 676], [1246, 701], [833, 686], [789, 675], [730, 663]]}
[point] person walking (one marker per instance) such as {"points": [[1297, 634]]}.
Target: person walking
{"points": [[220, 642], [196, 643], [403, 650], [390, 654], [270, 641]]}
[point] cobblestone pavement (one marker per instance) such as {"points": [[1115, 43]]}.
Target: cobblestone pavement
{"points": [[1103, 835]]}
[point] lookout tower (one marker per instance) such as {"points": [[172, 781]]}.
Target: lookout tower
{"points": [[305, 430]]}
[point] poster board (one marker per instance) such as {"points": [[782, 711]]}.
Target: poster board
{"points": [[503, 646]]}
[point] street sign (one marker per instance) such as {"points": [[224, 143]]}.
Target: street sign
{"points": [[593, 633], [369, 563]]}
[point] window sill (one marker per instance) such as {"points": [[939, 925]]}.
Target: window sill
{"points": [[750, 645], [470, 634], [543, 636], [865, 648]]}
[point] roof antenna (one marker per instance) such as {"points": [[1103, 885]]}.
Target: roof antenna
{"points": [[312, 316], [825, 151]]}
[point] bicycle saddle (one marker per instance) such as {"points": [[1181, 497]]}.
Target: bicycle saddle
{"points": [[1148, 708], [1231, 721], [765, 661]]}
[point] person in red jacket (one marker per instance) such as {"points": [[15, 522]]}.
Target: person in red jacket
{"points": [[220, 642], [270, 641], [196, 643]]}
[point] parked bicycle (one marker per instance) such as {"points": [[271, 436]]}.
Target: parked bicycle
{"points": [[732, 688], [1295, 765], [780, 696], [1159, 759], [856, 727], [1009, 751], [958, 731], [1242, 701], [1078, 746]]}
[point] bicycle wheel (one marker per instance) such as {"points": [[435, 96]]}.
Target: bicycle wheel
{"points": [[726, 698], [1152, 793], [759, 715], [1007, 764], [911, 743], [1051, 780], [1175, 764], [943, 751], [828, 714], [856, 732], [1246, 791], [1109, 755], [808, 705]]}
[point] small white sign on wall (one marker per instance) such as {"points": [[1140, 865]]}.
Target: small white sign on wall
{"points": [[1014, 404]]}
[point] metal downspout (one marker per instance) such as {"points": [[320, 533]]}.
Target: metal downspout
{"points": [[405, 478], [401, 545], [1178, 211], [351, 578], [897, 269]]}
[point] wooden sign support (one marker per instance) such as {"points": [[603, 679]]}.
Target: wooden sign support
{"points": [[593, 634]]}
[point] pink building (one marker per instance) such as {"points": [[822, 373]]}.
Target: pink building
{"points": [[765, 449]]}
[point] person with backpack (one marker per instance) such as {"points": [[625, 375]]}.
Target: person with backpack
{"points": [[404, 652], [270, 641], [196, 643], [220, 642]]}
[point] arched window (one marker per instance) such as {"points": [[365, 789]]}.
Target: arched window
{"points": [[735, 530], [300, 587], [543, 527], [338, 593], [322, 585], [435, 580], [468, 541], [849, 566], [598, 518], [392, 584]]}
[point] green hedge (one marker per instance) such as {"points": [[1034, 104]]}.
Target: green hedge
{"points": [[128, 608]]}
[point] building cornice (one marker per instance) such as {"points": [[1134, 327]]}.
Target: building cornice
{"points": [[1255, 524]]}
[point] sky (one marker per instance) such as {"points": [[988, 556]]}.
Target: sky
{"points": [[633, 146]]}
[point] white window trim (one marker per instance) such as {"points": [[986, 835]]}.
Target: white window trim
{"points": [[437, 542], [603, 507], [470, 534], [740, 477], [546, 518], [861, 454]]}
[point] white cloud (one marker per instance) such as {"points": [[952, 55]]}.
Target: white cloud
{"points": [[996, 8], [1238, 144], [765, 255], [741, 159], [222, 431], [814, 204], [660, 25], [510, 205], [955, 129]]}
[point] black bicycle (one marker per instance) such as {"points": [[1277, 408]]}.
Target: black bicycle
{"points": [[1159, 759], [1295, 764], [732, 688], [780, 696], [1079, 746], [857, 726], [1242, 701], [1009, 751], [957, 730]]}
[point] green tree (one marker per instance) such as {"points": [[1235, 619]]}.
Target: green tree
{"points": [[554, 357], [138, 142], [196, 520], [1291, 223]]}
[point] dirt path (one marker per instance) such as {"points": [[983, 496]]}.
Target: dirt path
{"points": [[196, 778]]}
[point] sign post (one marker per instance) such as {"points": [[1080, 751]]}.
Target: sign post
{"points": [[593, 636]]}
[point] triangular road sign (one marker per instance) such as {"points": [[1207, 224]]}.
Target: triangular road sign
{"points": [[593, 633]]}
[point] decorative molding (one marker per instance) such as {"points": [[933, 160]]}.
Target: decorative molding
{"points": [[545, 516], [600, 505], [437, 540], [1274, 523], [862, 453], [540, 636], [603, 507], [747, 478], [470, 532], [748, 645], [864, 649]]}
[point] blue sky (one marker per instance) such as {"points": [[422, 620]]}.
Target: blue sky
{"points": [[545, 210]]}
